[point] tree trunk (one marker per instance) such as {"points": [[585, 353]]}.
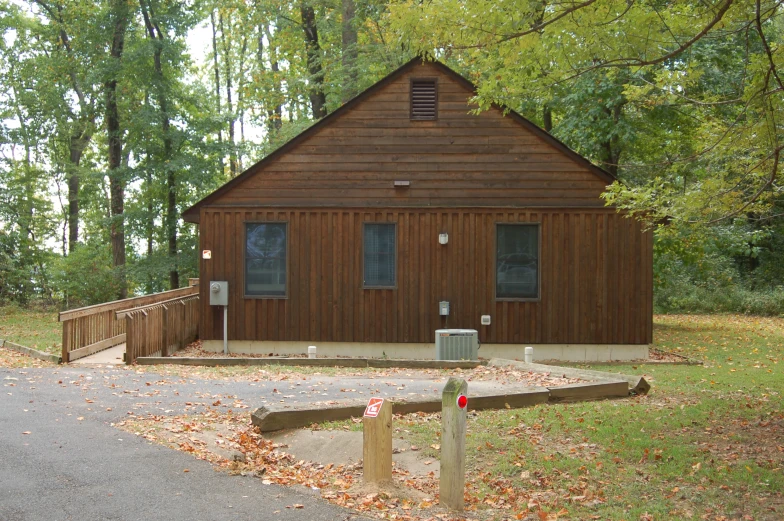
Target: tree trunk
{"points": [[78, 142], [240, 99], [612, 146], [350, 76], [116, 182], [229, 107], [547, 117], [318, 101], [217, 85], [149, 230], [274, 115], [155, 33]]}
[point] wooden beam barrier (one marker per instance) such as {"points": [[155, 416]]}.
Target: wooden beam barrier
{"points": [[454, 404], [377, 441]]}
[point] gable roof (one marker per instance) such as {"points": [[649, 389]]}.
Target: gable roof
{"points": [[192, 214]]}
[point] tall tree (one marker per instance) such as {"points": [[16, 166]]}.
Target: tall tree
{"points": [[119, 16], [158, 38], [216, 69], [229, 74], [79, 120]]}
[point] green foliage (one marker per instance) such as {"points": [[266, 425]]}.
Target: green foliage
{"points": [[14, 278], [682, 110], [682, 98], [86, 276], [731, 269]]}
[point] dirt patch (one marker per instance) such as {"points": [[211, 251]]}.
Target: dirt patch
{"points": [[195, 350], [345, 448]]}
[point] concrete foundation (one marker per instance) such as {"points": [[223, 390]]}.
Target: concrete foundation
{"points": [[563, 352]]}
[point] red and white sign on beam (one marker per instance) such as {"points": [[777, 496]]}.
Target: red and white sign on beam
{"points": [[373, 407]]}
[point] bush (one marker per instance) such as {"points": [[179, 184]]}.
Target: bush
{"points": [[731, 299], [724, 271], [86, 276]]}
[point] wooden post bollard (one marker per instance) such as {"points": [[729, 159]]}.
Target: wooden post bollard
{"points": [[377, 441], [453, 432]]}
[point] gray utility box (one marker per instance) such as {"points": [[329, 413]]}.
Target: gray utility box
{"points": [[219, 293], [457, 344]]}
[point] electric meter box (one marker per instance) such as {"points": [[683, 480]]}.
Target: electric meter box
{"points": [[219, 293]]}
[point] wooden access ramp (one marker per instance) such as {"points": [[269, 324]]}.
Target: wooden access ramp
{"points": [[91, 329]]}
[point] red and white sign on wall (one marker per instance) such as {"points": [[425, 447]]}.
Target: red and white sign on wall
{"points": [[373, 406]]}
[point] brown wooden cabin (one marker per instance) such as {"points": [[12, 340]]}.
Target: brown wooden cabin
{"points": [[333, 240]]}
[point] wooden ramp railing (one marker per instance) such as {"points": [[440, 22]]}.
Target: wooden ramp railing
{"points": [[160, 329], [95, 328]]}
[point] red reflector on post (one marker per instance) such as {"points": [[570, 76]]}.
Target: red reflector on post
{"points": [[462, 401]]}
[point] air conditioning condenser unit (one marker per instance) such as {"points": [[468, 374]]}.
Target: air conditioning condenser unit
{"points": [[457, 344]]}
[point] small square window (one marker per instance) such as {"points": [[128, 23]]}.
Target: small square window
{"points": [[265, 259], [517, 261], [379, 255]]}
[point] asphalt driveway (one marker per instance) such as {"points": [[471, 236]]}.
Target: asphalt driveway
{"points": [[60, 458]]}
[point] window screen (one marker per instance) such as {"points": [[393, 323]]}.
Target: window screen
{"points": [[517, 261], [379, 254], [265, 259]]}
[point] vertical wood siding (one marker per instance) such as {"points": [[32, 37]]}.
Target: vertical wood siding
{"points": [[596, 277]]}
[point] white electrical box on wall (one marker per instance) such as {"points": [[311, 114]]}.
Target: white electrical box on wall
{"points": [[443, 308], [485, 320]]}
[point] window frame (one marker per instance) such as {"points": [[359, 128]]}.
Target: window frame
{"points": [[245, 260], [394, 227], [411, 116], [538, 296]]}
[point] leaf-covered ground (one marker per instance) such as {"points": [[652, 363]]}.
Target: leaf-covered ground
{"points": [[706, 443], [14, 359]]}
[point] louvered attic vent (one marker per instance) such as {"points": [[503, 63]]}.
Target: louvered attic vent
{"points": [[424, 99]]}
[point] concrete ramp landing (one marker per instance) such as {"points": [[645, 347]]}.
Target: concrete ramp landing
{"points": [[112, 356]]}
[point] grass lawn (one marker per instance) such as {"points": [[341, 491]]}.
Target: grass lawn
{"points": [[34, 328]]}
